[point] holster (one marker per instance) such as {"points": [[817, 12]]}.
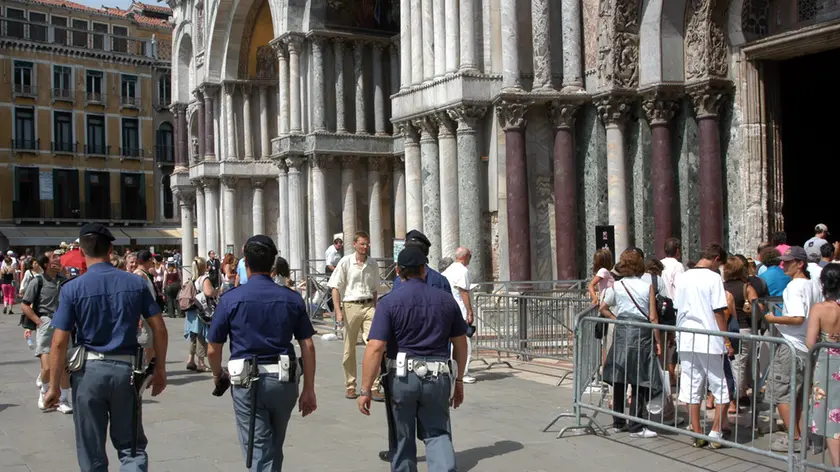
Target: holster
{"points": [[76, 357], [240, 372]]}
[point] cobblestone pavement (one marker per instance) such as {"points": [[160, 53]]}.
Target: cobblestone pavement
{"points": [[497, 429]]}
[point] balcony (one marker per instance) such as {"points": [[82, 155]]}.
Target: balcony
{"points": [[94, 98], [24, 145], [98, 211], [129, 102], [62, 95], [164, 155], [129, 213], [131, 153], [21, 90], [97, 150], [64, 148], [31, 210]]}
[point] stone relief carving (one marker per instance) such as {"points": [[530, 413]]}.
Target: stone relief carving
{"points": [[279, 162], [705, 40], [295, 163], [618, 44], [194, 149], [266, 62], [511, 115]]}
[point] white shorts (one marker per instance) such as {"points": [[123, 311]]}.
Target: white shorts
{"points": [[700, 372]]}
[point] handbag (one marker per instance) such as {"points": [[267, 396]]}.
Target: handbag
{"points": [[747, 304], [664, 305]]}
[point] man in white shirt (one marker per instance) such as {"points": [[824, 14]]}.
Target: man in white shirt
{"points": [[334, 254], [813, 245], [459, 279], [700, 300], [354, 282], [800, 294], [672, 265]]}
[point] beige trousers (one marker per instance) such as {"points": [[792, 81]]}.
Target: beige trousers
{"points": [[357, 316]]}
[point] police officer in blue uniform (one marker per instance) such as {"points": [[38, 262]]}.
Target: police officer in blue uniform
{"points": [[261, 318], [413, 327], [419, 240], [105, 305]]}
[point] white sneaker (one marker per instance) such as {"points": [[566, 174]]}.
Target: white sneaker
{"points": [[38, 381], [468, 379], [644, 434], [41, 401], [64, 407]]}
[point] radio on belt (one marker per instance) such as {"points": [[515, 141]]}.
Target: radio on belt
{"points": [[401, 370], [284, 368]]}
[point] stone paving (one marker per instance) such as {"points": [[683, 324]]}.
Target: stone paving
{"points": [[497, 429]]}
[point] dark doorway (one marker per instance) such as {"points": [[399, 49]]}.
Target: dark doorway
{"points": [[808, 148]]}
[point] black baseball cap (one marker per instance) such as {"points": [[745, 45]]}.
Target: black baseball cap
{"points": [[411, 257], [262, 240], [144, 256], [95, 229], [415, 235]]}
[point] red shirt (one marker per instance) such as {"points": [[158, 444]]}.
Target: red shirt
{"points": [[74, 258]]}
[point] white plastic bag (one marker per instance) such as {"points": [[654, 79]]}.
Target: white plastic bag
{"points": [[662, 404]]}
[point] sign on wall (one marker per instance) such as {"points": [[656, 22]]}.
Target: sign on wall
{"points": [[46, 185], [605, 238]]}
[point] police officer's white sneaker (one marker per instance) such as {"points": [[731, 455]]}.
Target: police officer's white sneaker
{"points": [[645, 433], [64, 407], [469, 379]]}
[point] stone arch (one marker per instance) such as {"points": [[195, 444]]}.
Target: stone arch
{"points": [[184, 73], [618, 44], [241, 27], [225, 34], [661, 42]]}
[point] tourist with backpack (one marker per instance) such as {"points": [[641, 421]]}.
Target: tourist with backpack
{"points": [[172, 286], [198, 300]]}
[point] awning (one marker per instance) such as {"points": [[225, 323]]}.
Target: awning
{"points": [[154, 236], [39, 236]]}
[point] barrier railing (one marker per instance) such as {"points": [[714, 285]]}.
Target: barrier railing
{"points": [[632, 373], [531, 287]]}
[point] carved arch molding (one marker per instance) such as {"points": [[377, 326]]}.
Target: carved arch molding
{"points": [[247, 34], [706, 43], [618, 44]]}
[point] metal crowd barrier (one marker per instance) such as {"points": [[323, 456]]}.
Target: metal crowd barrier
{"points": [[751, 428], [530, 287]]}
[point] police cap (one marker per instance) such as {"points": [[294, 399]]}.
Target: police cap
{"points": [[262, 240], [95, 229], [410, 258], [415, 235]]}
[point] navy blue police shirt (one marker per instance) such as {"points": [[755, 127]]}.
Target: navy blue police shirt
{"points": [[433, 278], [105, 305], [260, 317], [418, 319]]}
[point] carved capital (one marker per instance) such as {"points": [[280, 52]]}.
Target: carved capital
{"points": [[295, 163], [294, 43], [708, 97], [615, 109], [348, 162], [209, 91], [427, 126], [246, 89], [318, 40], [186, 196], [359, 47], [467, 116], [279, 48], [280, 163], [377, 164], [660, 104], [228, 182], [378, 46], [319, 161], [177, 108], [446, 126], [198, 94], [511, 115], [258, 183], [409, 132], [562, 114], [209, 184], [230, 88]]}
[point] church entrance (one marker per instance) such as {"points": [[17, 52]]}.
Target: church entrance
{"points": [[807, 92]]}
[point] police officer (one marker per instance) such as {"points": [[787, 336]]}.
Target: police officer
{"points": [[261, 318], [413, 328], [419, 240], [104, 305]]}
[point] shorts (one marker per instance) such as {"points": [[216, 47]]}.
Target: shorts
{"points": [[44, 336], [697, 369], [145, 338], [780, 384]]}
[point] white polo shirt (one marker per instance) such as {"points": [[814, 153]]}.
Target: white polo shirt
{"points": [[699, 293]]}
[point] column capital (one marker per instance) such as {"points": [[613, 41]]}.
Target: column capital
{"points": [[294, 43], [258, 182], [282, 168], [615, 108], [199, 95], [467, 116], [230, 88], [658, 109], [562, 113], [378, 46], [377, 164], [348, 162], [318, 40], [295, 163], [178, 107], [446, 126], [208, 183], [228, 181], [399, 162], [279, 47], [339, 41], [184, 196], [427, 126], [208, 90], [246, 89], [358, 46], [511, 114], [410, 134], [320, 161], [708, 96]]}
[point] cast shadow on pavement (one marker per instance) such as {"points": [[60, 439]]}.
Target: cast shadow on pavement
{"points": [[183, 377], [469, 459], [3, 406]]}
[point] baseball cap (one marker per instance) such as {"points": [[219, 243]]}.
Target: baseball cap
{"points": [[10, 253], [262, 240], [794, 253], [97, 229], [820, 228], [415, 235], [411, 257], [144, 256]]}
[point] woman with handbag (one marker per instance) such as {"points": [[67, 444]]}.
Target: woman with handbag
{"points": [[631, 361], [195, 329]]}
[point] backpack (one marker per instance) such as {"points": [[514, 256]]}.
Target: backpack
{"points": [[205, 306], [664, 305], [186, 296]]}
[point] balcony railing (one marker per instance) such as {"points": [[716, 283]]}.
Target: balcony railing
{"points": [[64, 148], [98, 210], [97, 150], [165, 155], [163, 103], [26, 144], [66, 210], [94, 97], [136, 212], [130, 101], [21, 90], [63, 95], [131, 152], [31, 209]]}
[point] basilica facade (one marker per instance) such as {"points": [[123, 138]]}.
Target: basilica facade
{"points": [[511, 127]]}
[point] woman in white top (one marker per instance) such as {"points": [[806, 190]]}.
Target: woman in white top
{"points": [[195, 330], [602, 265], [631, 360]]}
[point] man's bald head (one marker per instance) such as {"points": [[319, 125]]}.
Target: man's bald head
{"points": [[463, 255]]}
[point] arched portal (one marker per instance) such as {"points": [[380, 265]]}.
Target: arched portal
{"points": [[184, 79]]}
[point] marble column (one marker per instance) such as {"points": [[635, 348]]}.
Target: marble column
{"points": [[467, 15], [453, 50], [562, 114], [470, 222], [230, 90], [187, 201], [615, 110], [202, 129], [258, 207], [358, 65], [229, 187], [348, 195], [511, 116], [338, 51], [417, 45], [319, 103], [283, 87], [708, 98], [511, 81], [181, 136], [378, 90], [430, 175], [265, 136], [394, 52], [283, 207], [405, 44], [209, 92], [428, 39], [200, 211], [211, 215], [659, 107], [413, 177], [374, 180], [399, 197], [321, 225], [450, 233], [296, 213], [572, 49], [294, 44], [440, 46], [246, 119], [541, 36]]}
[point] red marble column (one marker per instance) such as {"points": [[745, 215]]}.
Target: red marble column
{"points": [[209, 92], [512, 118], [659, 108], [201, 127], [565, 188], [183, 138]]}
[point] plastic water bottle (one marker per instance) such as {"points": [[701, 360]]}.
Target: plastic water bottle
{"points": [[30, 343]]}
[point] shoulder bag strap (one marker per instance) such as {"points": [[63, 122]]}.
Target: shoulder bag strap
{"points": [[633, 299]]}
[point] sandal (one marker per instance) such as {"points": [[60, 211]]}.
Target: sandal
{"points": [[191, 366], [204, 368], [351, 394]]}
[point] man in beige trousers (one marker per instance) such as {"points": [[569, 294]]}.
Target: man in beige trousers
{"points": [[354, 283]]}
